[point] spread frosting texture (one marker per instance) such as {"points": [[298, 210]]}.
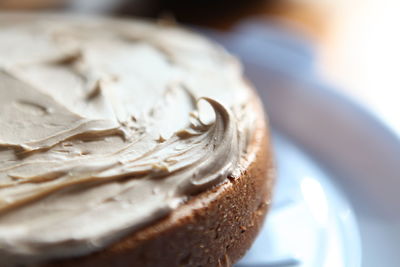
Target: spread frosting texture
{"points": [[106, 126]]}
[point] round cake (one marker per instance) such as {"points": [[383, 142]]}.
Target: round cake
{"points": [[126, 143]]}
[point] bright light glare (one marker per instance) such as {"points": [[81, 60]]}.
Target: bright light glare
{"points": [[315, 199]]}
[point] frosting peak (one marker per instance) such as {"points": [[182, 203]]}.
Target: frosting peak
{"points": [[106, 126]]}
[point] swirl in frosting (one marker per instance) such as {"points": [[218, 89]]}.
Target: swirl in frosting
{"points": [[108, 125]]}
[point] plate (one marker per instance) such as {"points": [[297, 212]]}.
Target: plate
{"points": [[337, 197], [310, 223]]}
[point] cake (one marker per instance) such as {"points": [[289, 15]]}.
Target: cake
{"points": [[126, 143]]}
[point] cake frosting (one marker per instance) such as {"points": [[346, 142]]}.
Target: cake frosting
{"points": [[106, 126]]}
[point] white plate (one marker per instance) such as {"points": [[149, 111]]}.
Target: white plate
{"points": [[337, 200], [311, 223]]}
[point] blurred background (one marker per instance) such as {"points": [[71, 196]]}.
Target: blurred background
{"points": [[328, 72], [356, 42]]}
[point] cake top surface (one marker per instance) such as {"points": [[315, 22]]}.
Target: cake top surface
{"points": [[108, 125]]}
